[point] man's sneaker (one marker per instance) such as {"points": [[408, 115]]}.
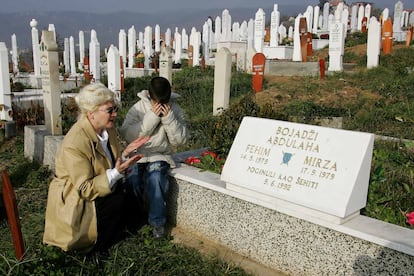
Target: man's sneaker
{"points": [[158, 232]]}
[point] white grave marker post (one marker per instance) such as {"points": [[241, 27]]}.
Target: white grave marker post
{"points": [[336, 46], [274, 26], [396, 27], [15, 54], [147, 46], [300, 169], [166, 63], [114, 71], [259, 30], [373, 43], [35, 47], [297, 51], [72, 56], [122, 46], [81, 50], [5, 91], [66, 53], [49, 67], [132, 40], [222, 79]]}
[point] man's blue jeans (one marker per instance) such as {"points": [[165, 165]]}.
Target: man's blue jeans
{"points": [[150, 181]]}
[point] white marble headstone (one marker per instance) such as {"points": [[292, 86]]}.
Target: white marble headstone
{"points": [[319, 168]]}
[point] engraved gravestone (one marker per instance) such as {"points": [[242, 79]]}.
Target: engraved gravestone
{"points": [[316, 168]]}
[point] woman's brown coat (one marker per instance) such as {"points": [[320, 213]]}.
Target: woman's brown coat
{"points": [[80, 177]]}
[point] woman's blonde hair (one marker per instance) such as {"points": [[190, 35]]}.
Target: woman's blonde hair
{"points": [[91, 96]]}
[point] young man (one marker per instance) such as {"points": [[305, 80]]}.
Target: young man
{"points": [[157, 116]]}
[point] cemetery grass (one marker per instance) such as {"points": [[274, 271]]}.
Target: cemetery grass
{"points": [[139, 254]]}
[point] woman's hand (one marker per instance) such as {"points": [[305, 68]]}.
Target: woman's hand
{"points": [[122, 166], [137, 143]]}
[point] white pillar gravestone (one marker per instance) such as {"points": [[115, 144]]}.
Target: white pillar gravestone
{"points": [[49, 61], [81, 50], [72, 56], [35, 47], [114, 71], [5, 91], [373, 43], [166, 63], [222, 79], [15, 54], [336, 46], [259, 28]]}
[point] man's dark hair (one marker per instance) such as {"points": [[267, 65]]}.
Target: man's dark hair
{"points": [[160, 90]]}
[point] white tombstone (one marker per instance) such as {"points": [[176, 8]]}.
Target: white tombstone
{"points": [[290, 33], [195, 42], [184, 38], [336, 46], [361, 14], [241, 60], [259, 30], [114, 71], [178, 48], [66, 54], [236, 31], [385, 15], [157, 38], [140, 41], [5, 91], [316, 16], [72, 56], [297, 51], [325, 25], [15, 54], [396, 26], [411, 19], [211, 41], [368, 8], [168, 37], [122, 46], [373, 43], [404, 19], [225, 25], [206, 41], [309, 17], [132, 40], [94, 57], [35, 47], [166, 63], [52, 29], [81, 49], [249, 60], [222, 79], [274, 26], [243, 31], [354, 23], [318, 171], [250, 34], [147, 45], [217, 27], [282, 33], [49, 61], [344, 20]]}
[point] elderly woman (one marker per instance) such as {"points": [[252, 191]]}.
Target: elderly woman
{"points": [[86, 202]]}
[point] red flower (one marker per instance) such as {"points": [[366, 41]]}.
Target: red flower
{"points": [[192, 160], [207, 152], [410, 218]]}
